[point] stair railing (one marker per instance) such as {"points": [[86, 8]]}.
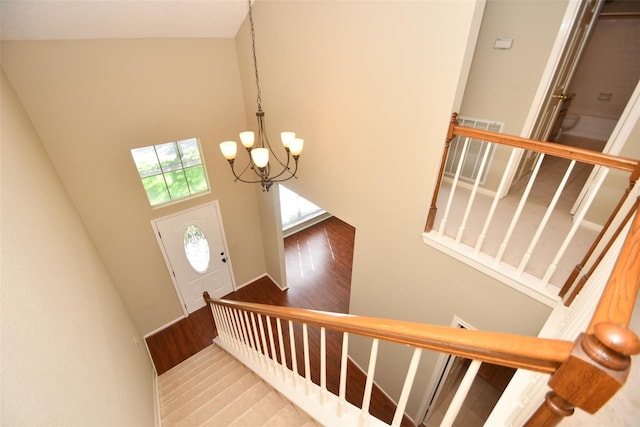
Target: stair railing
{"points": [[248, 329], [463, 197], [584, 374]]}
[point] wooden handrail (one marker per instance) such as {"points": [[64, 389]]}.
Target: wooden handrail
{"points": [[554, 149], [625, 164], [578, 268], [532, 353], [620, 294]]}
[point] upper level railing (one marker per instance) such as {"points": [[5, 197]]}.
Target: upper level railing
{"points": [[530, 232], [584, 374]]}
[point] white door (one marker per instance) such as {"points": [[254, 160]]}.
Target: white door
{"points": [[194, 249]]}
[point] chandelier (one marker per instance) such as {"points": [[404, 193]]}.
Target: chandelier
{"points": [[264, 166]]}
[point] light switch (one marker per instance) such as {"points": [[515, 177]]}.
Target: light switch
{"points": [[502, 43]]}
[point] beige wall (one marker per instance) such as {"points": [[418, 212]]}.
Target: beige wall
{"points": [[373, 101], [271, 223], [369, 85], [71, 354], [92, 101], [610, 65]]}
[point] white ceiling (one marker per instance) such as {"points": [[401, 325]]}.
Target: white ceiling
{"points": [[106, 19]]}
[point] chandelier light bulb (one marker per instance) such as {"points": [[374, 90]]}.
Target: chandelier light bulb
{"points": [[295, 146], [229, 149], [287, 137], [260, 157], [247, 138]]}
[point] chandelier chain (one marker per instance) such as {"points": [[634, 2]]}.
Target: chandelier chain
{"points": [[255, 61]]}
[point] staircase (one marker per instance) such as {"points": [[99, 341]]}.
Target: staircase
{"points": [[213, 388]]}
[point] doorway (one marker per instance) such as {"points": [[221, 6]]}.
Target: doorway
{"points": [[194, 248], [592, 88], [488, 385], [298, 213]]}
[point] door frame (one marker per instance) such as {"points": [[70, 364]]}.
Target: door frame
{"points": [[555, 62], [439, 375], [617, 140], [618, 137], [156, 232]]}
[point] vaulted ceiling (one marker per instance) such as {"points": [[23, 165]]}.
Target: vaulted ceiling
{"points": [[107, 19]]}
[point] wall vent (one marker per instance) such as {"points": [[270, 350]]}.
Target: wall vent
{"points": [[475, 151]]}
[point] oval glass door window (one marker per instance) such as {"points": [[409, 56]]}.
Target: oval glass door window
{"points": [[196, 247]]}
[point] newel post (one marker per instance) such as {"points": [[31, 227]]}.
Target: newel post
{"points": [[596, 369], [433, 209]]}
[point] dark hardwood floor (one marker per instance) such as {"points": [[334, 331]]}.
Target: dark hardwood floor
{"points": [[181, 340]]}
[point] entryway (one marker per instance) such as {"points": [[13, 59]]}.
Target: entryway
{"points": [[194, 247], [485, 390]]}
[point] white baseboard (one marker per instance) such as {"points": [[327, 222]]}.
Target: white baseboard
{"points": [[591, 225], [155, 331], [306, 224], [156, 400], [260, 277]]}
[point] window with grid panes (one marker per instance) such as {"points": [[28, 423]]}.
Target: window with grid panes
{"points": [[171, 171]]}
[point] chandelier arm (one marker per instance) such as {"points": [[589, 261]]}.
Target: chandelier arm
{"points": [[263, 141], [285, 168], [239, 176], [291, 174], [263, 138]]}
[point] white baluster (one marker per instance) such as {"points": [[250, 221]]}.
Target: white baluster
{"points": [[474, 191], [247, 325], [461, 394], [368, 387], [256, 336], [227, 320], [283, 360], [521, 204], [265, 349], [454, 185], [274, 356], [244, 340], [406, 388], [527, 256], [323, 365], [496, 199], [236, 330], [220, 323], [307, 365], [294, 361], [577, 221], [343, 374]]}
